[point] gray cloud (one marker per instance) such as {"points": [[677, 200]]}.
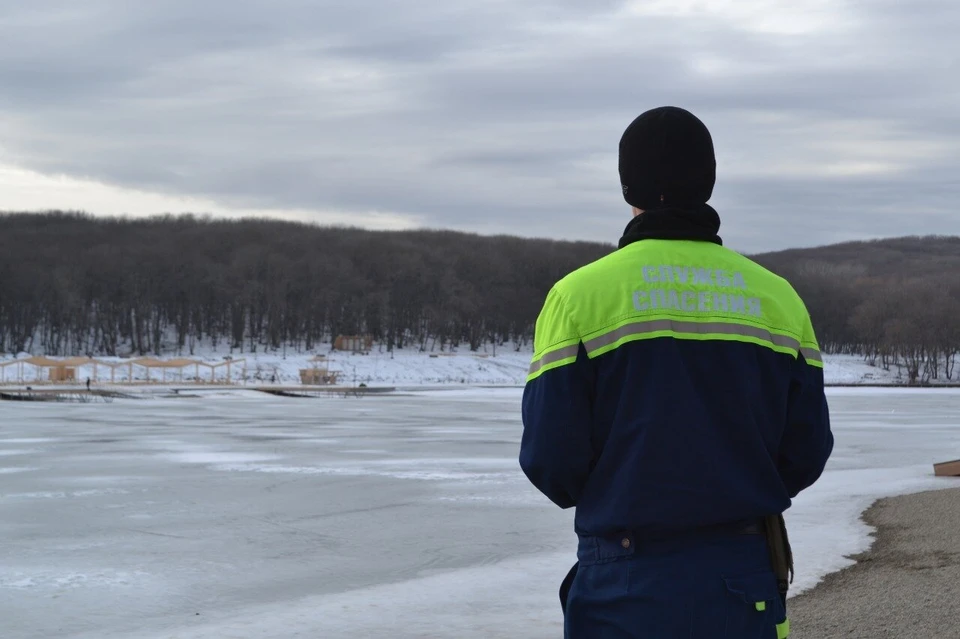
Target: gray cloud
{"points": [[495, 116]]}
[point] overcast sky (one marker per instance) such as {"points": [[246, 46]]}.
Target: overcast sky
{"points": [[832, 120]]}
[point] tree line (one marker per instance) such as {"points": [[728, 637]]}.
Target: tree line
{"points": [[73, 284], [896, 302]]}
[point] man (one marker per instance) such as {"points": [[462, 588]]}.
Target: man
{"points": [[676, 400]]}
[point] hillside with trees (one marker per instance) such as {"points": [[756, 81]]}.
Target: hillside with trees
{"points": [[73, 284], [76, 284], [896, 302]]}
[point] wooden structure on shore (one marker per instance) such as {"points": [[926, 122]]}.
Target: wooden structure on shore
{"points": [[947, 469], [48, 370], [77, 370], [319, 374], [353, 343]]}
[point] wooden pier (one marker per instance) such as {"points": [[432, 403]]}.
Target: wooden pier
{"points": [[324, 391], [78, 395], [84, 396]]}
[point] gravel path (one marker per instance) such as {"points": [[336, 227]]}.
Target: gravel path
{"points": [[906, 586]]}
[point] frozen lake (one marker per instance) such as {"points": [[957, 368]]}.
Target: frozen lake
{"points": [[405, 516]]}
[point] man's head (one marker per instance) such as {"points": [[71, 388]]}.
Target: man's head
{"points": [[667, 159]]}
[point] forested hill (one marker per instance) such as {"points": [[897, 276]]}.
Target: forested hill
{"points": [[74, 284], [892, 299]]}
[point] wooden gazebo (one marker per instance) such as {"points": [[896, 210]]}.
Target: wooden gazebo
{"points": [[178, 365], [55, 371], [68, 370]]}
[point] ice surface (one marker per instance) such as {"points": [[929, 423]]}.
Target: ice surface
{"points": [[398, 516]]}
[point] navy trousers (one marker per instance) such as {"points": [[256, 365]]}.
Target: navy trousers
{"points": [[710, 588]]}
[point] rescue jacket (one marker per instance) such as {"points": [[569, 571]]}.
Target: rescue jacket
{"points": [[675, 384]]}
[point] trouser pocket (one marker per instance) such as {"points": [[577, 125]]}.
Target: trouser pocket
{"points": [[756, 609]]}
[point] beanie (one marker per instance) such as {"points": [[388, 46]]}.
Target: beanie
{"points": [[667, 152]]}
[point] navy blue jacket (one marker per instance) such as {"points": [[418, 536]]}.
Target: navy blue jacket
{"points": [[675, 384]]}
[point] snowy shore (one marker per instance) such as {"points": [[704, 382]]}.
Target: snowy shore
{"points": [[506, 367], [906, 586]]}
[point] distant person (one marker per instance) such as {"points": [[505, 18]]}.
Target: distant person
{"points": [[676, 400], [88, 384]]}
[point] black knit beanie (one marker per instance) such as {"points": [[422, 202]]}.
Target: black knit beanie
{"points": [[667, 152]]}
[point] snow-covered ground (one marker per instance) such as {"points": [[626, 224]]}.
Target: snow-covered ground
{"points": [[508, 367], [248, 516], [412, 368]]}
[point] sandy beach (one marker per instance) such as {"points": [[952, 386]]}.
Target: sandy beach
{"points": [[907, 585]]}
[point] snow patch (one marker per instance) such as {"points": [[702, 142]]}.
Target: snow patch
{"points": [[217, 457], [64, 494], [14, 470], [69, 581]]}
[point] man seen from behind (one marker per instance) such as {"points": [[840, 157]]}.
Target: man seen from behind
{"points": [[676, 400]]}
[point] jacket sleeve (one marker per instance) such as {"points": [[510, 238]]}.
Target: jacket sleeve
{"points": [[555, 451], [808, 440]]}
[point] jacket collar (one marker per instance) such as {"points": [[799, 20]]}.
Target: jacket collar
{"points": [[700, 223]]}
